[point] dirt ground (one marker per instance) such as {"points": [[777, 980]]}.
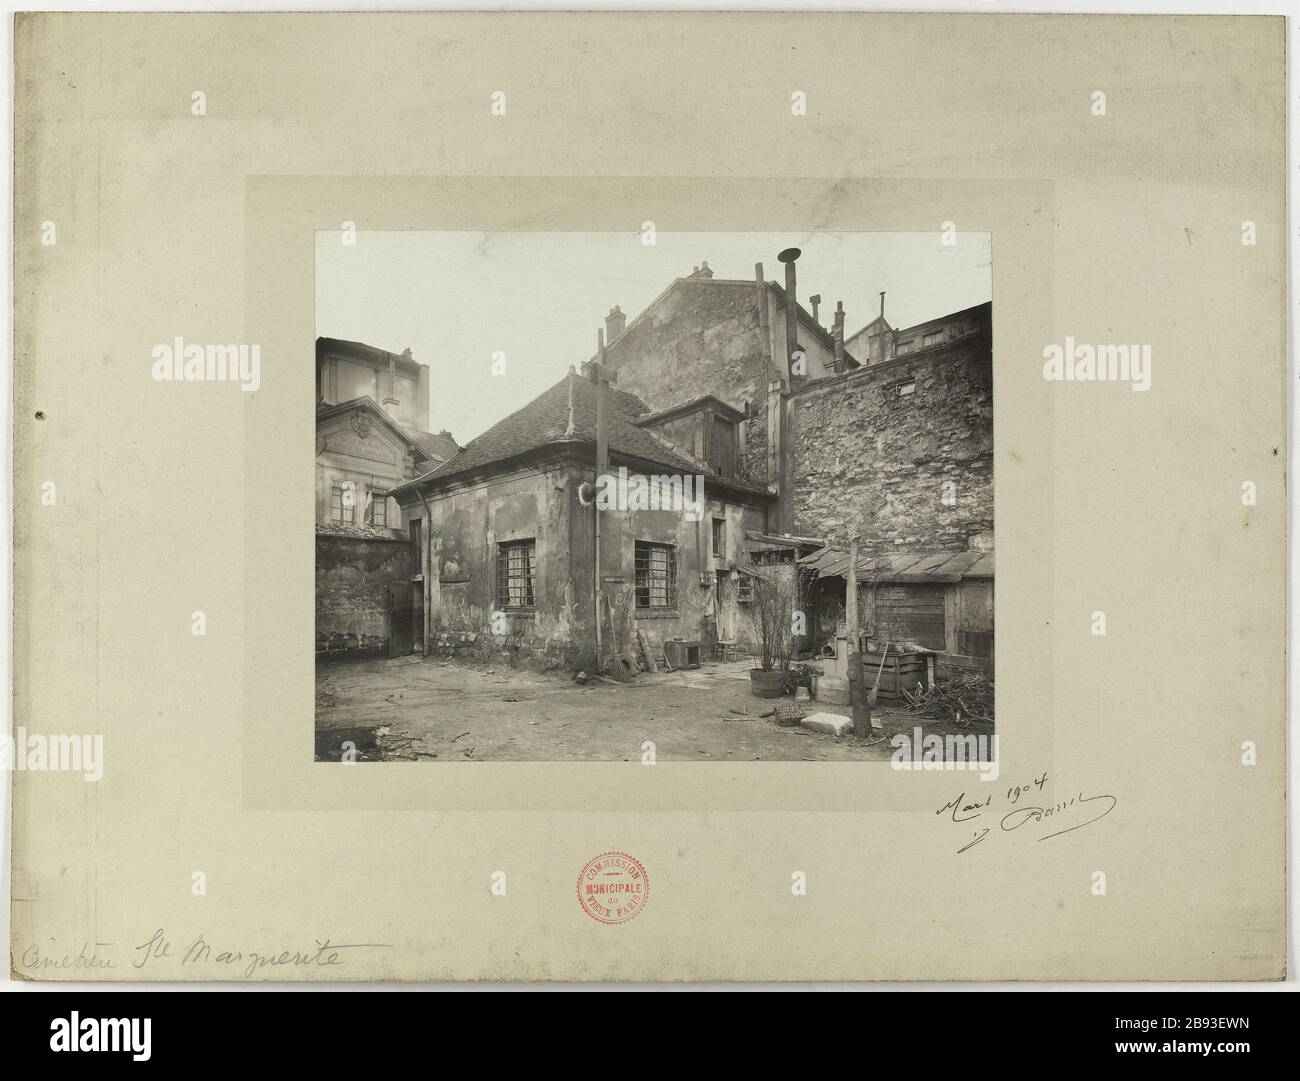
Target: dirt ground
{"points": [[433, 710]]}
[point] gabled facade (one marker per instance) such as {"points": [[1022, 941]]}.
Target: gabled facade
{"points": [[371, 409]]}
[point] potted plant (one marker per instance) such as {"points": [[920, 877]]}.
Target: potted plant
{"points": [[771, 612]]}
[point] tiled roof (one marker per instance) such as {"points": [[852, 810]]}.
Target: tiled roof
{"points": [[365, 532], [544, 421], [440, 446]]}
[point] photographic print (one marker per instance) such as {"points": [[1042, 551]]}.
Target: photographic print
{"points": [[579, 499], [649, 496]]}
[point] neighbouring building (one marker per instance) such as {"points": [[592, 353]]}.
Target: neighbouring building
{"points": [[804, 436], [372, 409], [910, 435]]}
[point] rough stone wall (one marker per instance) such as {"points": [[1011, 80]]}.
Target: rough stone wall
{"points": [[352, 578], [701, 338], [866, 456]]}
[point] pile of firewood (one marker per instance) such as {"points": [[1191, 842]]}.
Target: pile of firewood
{"points": [[963, 700]]}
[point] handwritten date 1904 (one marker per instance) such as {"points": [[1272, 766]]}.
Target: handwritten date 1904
{"points": [[1064, 817]]}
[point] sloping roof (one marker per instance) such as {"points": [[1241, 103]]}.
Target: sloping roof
{"points": [[359, 531], [903, 566], [440, 446], [544, 422], [361, 349], [690, 407]]}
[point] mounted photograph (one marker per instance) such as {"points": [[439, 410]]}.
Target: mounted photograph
{"points": [[579, 497]]}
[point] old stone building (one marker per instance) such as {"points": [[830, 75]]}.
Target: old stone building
{"points": [[372, 409], [805, 437], [512, 557]]}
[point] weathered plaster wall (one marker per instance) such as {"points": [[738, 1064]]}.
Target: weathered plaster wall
{"points": [[869, 456], [701, 338], [694, 548], [466, 527], [352, 578], [818, 356]]}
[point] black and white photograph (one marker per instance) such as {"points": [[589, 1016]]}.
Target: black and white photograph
{"points": [[778, 499], [567, 482]]}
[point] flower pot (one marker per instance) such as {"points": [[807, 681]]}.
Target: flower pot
{"points": [[767, 684]]}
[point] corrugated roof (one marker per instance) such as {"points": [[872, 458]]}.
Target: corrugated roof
{"points": [[544, 422], [903, 566]]}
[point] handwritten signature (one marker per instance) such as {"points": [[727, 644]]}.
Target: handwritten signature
{"points": [[1012, 817], [325, 954]]}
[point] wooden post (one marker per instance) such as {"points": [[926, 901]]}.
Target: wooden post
{"points": [[859, 698], [859, 702], [851, 594]]}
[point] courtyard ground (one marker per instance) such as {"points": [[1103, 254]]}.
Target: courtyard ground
{"points": [[434, 710]]}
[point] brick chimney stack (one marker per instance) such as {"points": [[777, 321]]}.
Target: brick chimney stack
{"points": [[615, 321]]}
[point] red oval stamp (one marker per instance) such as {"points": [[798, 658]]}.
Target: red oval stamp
{"points": [[613, 887]]}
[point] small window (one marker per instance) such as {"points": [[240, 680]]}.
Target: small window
{"points": [[377, 512], [904, 389], [907, 346], [932, 339], [516, 573], [343, 502], [656, 575], [745, 588], [719, 538]]}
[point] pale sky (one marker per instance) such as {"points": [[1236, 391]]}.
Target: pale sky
{"points": [[456, 298]]}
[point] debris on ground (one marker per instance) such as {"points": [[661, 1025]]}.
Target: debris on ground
{"points": [[788, 714], [964, 700], [827, 724]]}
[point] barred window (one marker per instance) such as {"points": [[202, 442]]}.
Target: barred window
{"points": [[377, 512], [343, 502], [516, 573], [656, 575], [745, 588]]}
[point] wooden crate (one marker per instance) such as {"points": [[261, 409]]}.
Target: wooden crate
{"points": [[902, 671], [682, 654]]}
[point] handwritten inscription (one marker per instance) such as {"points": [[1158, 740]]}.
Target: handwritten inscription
{"points": [[197, 954], [1004, 812]]}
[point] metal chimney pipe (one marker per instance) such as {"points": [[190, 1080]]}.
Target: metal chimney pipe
{"points": [[788, 257], [601, 379], [837, 332], [602, 406]]}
